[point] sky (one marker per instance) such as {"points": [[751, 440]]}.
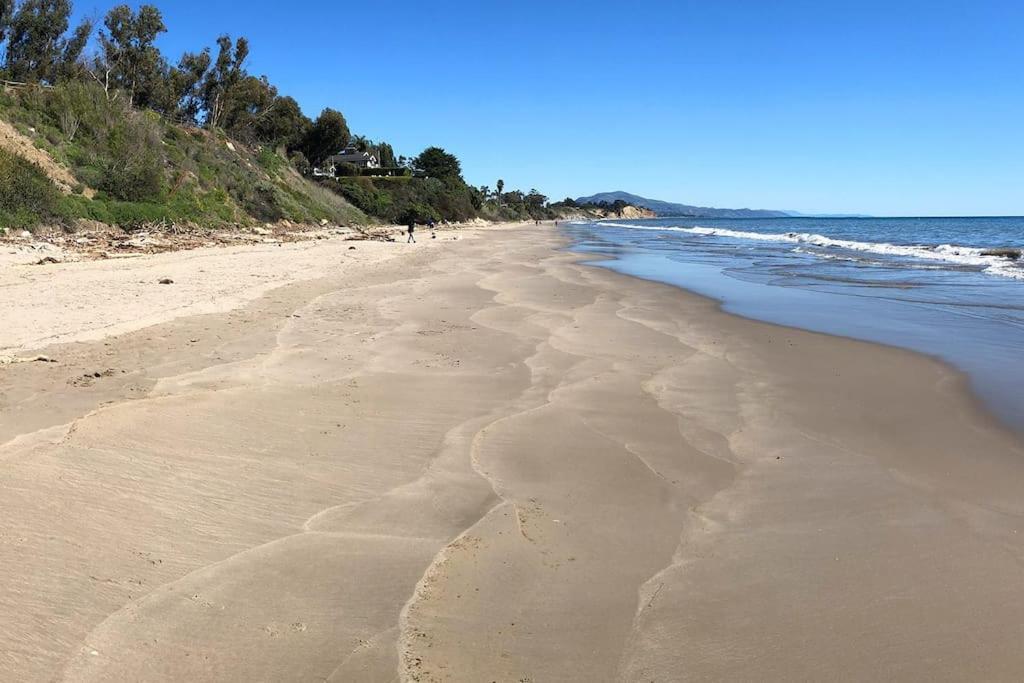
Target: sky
{"points": [[885, 108]]}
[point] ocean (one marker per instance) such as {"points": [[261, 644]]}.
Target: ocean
{"points": [[926, 284]]}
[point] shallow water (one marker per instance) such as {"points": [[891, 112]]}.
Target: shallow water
{"points": [[919, 283]]}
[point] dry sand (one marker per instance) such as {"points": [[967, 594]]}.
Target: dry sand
{"points": [[477, 460]]}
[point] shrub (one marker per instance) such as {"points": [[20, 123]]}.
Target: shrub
{"points": [[269, 159], [420, 213], [259, 200], [385, 172], [346, 170], [27, 196], [86, 104], [134, 169], [363, 195], [300, 163]]}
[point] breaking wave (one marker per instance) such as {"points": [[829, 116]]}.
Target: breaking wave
{"points": [[991, 261]]}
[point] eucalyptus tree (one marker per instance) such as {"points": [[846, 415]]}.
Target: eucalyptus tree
{"points": [[130, 61], [227, 72], [35, 42]]}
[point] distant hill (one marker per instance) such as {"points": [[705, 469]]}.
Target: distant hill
{"points": [[671, 209]]}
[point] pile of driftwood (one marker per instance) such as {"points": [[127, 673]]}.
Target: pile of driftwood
{"points": [[98, 241]]}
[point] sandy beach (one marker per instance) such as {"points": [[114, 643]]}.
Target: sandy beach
{"points": [[476, 459]]}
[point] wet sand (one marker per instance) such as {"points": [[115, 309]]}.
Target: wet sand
{"points": [[480, 460]]}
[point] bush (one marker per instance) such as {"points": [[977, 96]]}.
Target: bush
{"points": [[363, 195], [133, 171], [396, 199], [346, 170], [27, 197], [420, 213], [269, 159], [300, 163], [86, 104], [385, 172]]}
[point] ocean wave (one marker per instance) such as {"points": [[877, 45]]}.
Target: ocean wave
{"points": [[948, 253]]}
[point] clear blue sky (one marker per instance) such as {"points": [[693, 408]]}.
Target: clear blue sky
{"points": [[889, 108]]}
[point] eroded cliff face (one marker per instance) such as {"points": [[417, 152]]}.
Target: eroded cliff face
{"points": [[635, 212], [628, 212]]}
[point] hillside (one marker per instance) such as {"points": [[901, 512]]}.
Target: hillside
{"points": [[663, 208], [78, 157], [69, 157]]}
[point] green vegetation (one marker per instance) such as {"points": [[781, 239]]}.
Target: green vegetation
{"points": [[399, 200], [147, 170], [200, 141], [27, 196]]}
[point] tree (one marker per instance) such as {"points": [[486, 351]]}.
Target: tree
{"points": [[535, 200], [6, 10], [361, 142], [246, 104], [328, 135], [70, 65], [186, 80], [386, 156], [227, 71], [130, 60], [437, 163], [34, 44], [501, 188], [283, 123]]}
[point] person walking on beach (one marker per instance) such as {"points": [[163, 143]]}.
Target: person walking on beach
{"points": [[412, 229]]}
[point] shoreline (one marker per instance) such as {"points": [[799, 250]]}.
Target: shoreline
{"points": [[489, 460], [963, 378], [969, 320]]}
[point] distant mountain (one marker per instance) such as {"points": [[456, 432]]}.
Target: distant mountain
{"points": [[671, 209]]}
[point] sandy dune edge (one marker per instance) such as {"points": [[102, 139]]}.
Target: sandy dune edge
{"points": [[483, 461]]}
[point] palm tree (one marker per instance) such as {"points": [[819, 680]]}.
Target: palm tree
{"points": [[361, 142], [501, 188]]}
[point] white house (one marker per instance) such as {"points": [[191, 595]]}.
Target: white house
{"points": [[351, 155]]}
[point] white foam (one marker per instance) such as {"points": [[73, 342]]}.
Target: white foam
{"points": [[948, 253]]}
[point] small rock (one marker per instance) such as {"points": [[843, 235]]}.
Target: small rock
{"points": [[323, 222], [351, 248], [165, 281], [46, 259]]}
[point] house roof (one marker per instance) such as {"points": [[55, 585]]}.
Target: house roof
{"points": [[350, 155]]}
